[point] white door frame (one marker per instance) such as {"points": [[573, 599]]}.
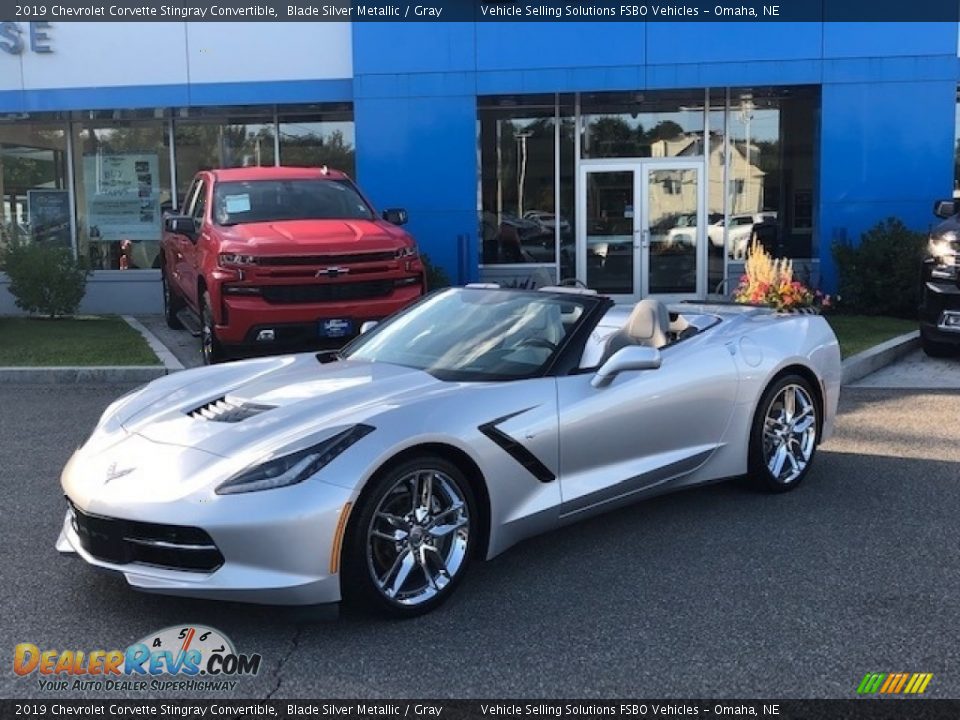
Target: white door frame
{"points": [[641, 168]]}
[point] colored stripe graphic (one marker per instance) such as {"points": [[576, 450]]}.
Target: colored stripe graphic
{"points": [[870, 683], [894, 683]]}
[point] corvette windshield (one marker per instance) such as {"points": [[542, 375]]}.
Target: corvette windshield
{"points": [[473, 334]]}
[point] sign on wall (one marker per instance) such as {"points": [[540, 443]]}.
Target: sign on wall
{"points": [[122, 196], [49, 212]]}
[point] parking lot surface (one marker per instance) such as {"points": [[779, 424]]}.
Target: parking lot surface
{"points": [[715, 592]]}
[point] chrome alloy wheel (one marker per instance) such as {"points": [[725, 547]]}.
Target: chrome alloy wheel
{"points": [[789, 433], [418, 537]]}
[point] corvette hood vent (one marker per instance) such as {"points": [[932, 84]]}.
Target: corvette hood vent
{"points": [[228, 411]]}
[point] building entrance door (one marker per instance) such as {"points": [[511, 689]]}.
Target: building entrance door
{"points": [[641, 228]]}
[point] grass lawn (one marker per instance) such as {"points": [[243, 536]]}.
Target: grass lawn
{"points": [[66, 342], [856, 333]]}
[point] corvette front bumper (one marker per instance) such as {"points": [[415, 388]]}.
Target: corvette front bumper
{"points": [[277, 547]]}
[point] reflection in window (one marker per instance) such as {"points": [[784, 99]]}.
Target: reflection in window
{"points": [[211, 138], [651, 124], [314, 136], [33, 183], [122, 177], [771, 170], [518, 218]]}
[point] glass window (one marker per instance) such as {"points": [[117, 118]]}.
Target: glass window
{"points": [[771, 170], [122, 176], [238, 203], [208, 138], [642, 124], [518, 218], [317, 135], [716, 257], [34, 200]]}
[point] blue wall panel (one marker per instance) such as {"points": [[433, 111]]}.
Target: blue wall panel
{"points": [[420, 153], [886, 150], [885, 39], [412, 47], [527, 45], [698, 42]]}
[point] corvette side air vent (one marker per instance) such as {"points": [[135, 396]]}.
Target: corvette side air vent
{"points": [[223, 410]]}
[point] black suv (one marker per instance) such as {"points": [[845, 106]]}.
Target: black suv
{"points": [[940, 284]]}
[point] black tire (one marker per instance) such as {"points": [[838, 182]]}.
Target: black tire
{"points": [[364, 554], [210, 347], [799, 445], [172, 302], [934, 349]]}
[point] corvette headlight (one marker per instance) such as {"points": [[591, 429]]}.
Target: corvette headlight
{"points": [[294, 467]]}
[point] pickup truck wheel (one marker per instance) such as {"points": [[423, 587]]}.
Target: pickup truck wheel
{"points": [[172, 303], [210, 347]]}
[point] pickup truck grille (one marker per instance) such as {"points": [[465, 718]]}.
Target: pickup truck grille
{"points": [[326, 292], [327, 259]]}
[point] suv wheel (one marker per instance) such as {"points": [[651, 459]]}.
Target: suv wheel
{"points": [[210, 347], [935, 349]]}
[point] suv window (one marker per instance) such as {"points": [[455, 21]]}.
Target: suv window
{"points": [[256, 201]]}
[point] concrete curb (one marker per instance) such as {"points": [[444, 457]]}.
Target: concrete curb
{"points": [[133, 375], [870, 360], [168, 359]]}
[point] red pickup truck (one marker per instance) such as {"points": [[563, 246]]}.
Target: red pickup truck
{"points": [[273, 258]]}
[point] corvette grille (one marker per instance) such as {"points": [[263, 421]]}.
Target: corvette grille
{"points": [[121, 542], [223, 410]]}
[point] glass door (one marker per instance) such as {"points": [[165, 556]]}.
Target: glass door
{"points": [[608, 228], [672, 248], [641, 227]]}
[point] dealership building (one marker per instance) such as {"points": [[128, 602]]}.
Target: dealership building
{"points": [[639, 158]]}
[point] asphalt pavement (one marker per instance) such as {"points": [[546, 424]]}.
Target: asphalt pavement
{"points": [[716, 592]]}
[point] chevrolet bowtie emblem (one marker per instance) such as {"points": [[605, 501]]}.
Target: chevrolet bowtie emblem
{"points": [[113, 473], [332, 271]]}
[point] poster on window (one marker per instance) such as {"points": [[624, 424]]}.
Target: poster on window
{"points": [[123, 196], [49, 212]]}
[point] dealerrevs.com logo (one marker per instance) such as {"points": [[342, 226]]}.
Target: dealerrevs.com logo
{"points": [[178, 658]]}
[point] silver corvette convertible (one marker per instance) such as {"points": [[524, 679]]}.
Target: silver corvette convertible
{"points": [[457, 428]]}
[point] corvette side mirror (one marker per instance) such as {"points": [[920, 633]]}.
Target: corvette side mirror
{"points": [[632, 357], [368, 326]]}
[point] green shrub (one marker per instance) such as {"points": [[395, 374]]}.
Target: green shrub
{"points": [[44, 279], [436, 276], [881, 275]]}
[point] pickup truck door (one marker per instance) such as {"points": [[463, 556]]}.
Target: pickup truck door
{"points": [[189, 246]]}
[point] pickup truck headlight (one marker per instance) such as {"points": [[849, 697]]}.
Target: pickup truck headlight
{"points": [[407, 252], [294, 467], [235, 259]]}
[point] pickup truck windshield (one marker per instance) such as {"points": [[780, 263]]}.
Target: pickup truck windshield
{"points": [[257, 201]]}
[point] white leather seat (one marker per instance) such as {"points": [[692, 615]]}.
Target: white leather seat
{"points": [[648, 324]]}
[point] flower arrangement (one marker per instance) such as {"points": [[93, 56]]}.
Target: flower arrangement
{"points": [[770, 282]]}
